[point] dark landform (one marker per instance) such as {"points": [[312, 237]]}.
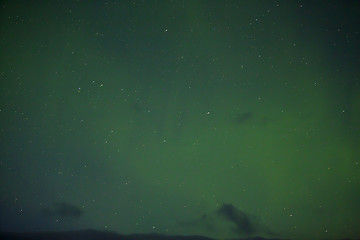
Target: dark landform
{"points": [[104, 235]]}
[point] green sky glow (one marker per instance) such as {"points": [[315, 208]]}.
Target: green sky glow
{"points": [[146, 115]]}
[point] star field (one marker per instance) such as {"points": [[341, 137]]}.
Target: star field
{"points": [[225, 119]]}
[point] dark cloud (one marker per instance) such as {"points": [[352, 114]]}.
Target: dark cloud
{"points": [[63, 210], [245, 224], [230, 219], [243, 117]]}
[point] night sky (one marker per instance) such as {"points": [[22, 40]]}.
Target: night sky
{"points": [[217, 118]]}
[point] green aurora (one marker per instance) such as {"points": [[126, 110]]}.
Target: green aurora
{"points": [[144, 116]]}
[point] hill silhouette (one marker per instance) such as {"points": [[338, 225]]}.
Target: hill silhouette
{"points": [[102, 235]]}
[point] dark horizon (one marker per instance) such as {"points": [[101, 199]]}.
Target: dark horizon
{"points": [[110, 235]]}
